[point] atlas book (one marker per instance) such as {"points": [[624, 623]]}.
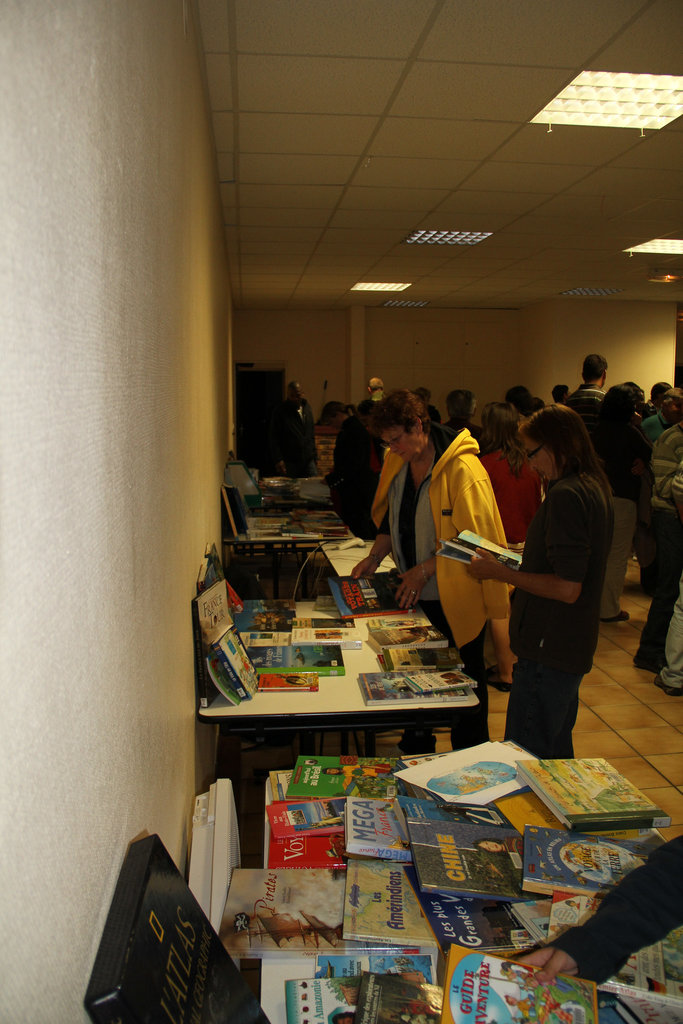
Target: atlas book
{"points": [[388, 998], [266, 614], [324, 659], [416, 966], [381, 906], [320, 816], [374, 829], [321, 1000], [308, 850], [421, 636], [589, 794], [381, 687], [417, 809], [159, 958], [497, 989], [478, 922], [442, 658], [293, 681], [468, 859], [579, 862], [237, 663], [332, 775], [463, 548], [345, 638], [210, 619], [476, 775], [367, 595]]}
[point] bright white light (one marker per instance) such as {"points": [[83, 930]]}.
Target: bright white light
{"points": [[375, 286], [446, 237], [664, 246], [616, 100]]}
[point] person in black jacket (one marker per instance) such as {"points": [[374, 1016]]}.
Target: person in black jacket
{"points": [[291, 435], [357, 464]]}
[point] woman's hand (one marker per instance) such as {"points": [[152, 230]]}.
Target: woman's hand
{"points": [[410, 587], [553, 961], [366, 567], [485, 566]]}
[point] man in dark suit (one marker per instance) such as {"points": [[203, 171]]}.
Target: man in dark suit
{"points": [[291, 435]]}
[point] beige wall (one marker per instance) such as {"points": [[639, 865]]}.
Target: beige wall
{"points": [[114, 426]]}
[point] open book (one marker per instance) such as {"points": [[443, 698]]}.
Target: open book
{"points": [[464, 546]]}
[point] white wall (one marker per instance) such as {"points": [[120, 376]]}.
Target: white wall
{"points": [[114, 425]]}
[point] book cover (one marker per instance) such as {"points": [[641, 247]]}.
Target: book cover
{"points": [[588, 793], [308, 850], [265, 638], [497, 989], [401, 620], [534, 915], [569, 909], [324, 623], [475, 922], [468, 859], [444, 658], [159, 958], [421, 635], [237, 663], [464, 546], [434, 681], [373, 829], [391, 998], [347, 639], [417, 809], [210, 618], [476, 775], [266, 615], [416, 966], [292, 681], [578, 862], [325, 660], [321, 816], [368, 595], [342, 775], [321, 1000], [525, 808], [381, 906], [380, 687], [222, 680], [282, 910], [639, 1008], [279, 781]]}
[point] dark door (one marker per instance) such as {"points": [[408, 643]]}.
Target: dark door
{"points": [[257, 392]]}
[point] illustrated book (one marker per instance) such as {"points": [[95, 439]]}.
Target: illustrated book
{"points": [[374, 829], [159, 958], [326, 659], [347, 639], [266, 615], [237, 663], [416, 966], [504, 991], [468, 859], [321, 816], [320, 1000], [342, 775], [292, 681], [388, 998], [367, 595], [417, 809], [463, 548], [402, 619], [308, 850], [589, 794], [380, 905], [210, 619], [476, 775], [324, 623], [420, 636], [381, 687], [443, 658], [265, 638]]}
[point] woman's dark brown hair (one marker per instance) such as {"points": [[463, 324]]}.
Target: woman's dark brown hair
{"points": [[401, 408], [500, 422], [562, 431]]}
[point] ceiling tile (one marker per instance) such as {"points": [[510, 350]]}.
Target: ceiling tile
{"points": [[305, 133], [295, 169]]}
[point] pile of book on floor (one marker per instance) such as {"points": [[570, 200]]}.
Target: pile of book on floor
{"points": [[406, 887]]}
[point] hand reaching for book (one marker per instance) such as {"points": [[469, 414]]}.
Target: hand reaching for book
{"points": [[553, 961]]}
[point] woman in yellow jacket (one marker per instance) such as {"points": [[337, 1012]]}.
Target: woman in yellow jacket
{"points": [[433, 486]]}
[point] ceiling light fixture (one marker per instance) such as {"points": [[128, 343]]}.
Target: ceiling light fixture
{"points": [[446, 237], [661, 246], [664, 276], [405, 303], [375, 286], [592, 291], [616, 100]]}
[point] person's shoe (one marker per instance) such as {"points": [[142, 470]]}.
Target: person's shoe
{"points": [[672, 691], [621, 617], [498, 684], [648, 666]]}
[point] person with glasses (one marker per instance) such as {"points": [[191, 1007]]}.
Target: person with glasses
{"points": [[556, 605], [433, 486]]}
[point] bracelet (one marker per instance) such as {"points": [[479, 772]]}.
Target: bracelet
{"points": [[424, 572], [376, 558]]}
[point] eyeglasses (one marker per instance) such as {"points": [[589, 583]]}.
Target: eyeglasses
{"points": [[391, 442], [531, 454]]}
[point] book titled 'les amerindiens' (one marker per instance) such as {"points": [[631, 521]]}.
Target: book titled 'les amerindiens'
{"points": [[159, 958]]}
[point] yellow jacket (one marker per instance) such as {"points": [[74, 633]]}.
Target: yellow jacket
{"points": [[461, 498]]}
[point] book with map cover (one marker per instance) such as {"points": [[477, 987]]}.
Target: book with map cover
{"points": [[476, 775]]}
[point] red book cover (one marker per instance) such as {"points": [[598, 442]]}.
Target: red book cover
{"points": [[321, 817], [307, 851]]}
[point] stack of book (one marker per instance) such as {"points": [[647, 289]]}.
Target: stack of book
{"points": [[446, 859]]}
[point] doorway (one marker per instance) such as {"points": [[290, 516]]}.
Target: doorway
{"points": [[257, 392]]}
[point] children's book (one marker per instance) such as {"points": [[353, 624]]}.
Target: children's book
{"points": [[292, 681], [577, 861], [321, 1000], [391, 998], [279, 781], [380, 905], [485, 987], [435, 681], [308, 850], [320, 816], [569, 909], [210, 619], [374, 829], [266, 614], [463, 549], [266, 638], [442, 658], [237, 663], [421, 635], [325, 660], [589, 794], [416, 966], [478, 922], [380, 687], [416, 809], [224, 682], [282, 910], [367, 595], [347, 639], [468, 859], [525, 808], [342, 775], [476, 775], [534, 915], [401, 620]]}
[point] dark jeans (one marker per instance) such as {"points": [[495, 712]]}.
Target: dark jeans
{"points": [[668, 531], [468, 727], [542, 709]]}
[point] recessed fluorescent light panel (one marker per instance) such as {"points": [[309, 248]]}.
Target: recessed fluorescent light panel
{"points": [[405, 303], [375, 286], [616, 100], [592, 291], [446, 237], [662, 246]]}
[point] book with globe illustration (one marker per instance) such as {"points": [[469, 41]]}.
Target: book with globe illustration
{"points": [[476, 775]]}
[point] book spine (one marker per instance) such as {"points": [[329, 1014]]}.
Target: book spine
{"points": [[232, 675]]}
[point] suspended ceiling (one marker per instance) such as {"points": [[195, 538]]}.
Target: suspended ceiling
{"points": [[341, 126]]}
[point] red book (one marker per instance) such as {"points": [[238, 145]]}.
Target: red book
{"points": [[307, 851], [320, 817]]}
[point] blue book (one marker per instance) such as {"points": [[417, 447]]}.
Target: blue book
{"points": [[431, 810], [355, 964], [373, 829], [325, 659], [467, 859]]}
